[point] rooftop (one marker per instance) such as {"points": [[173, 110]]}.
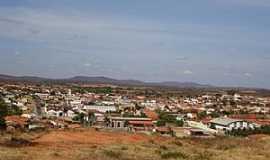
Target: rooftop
{"points": [[224, 121], [130, 118]]}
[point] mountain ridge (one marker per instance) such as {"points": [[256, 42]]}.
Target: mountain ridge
{"points": [[103, 80]]}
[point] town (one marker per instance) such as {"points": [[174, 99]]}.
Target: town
{"points": [[134, 80], [166, 112]]}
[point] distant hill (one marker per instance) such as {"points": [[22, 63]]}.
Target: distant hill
{"points": [[103, 80], [183, 84], [22, 78]]}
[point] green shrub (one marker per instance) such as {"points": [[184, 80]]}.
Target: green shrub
{"points": [[161, 123]]}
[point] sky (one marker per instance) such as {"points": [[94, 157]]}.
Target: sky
{"points": [[217, 42]]}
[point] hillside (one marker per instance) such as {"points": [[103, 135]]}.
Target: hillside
{"points": [[100, 145]]}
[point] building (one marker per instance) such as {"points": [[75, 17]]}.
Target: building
{"points": [[102, 109], [228, 124], [131, 123]]}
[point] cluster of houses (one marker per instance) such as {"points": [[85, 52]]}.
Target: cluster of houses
{"points": [[207, 114]]}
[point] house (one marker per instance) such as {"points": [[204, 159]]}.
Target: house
{"points": [[36, 125], [70, 114], [191, 115], [53, 113], [133, 123], [75, 103], [141, 125], [201, 126], [100, 108], [195, 132], [179, 132], [228, 124]]}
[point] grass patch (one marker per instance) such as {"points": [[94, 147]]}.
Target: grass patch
{"points": [[203, 156], [178, 143], [113, 154], [173, 155], [124, 148]]}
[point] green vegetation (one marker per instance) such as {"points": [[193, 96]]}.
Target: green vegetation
{"points": [[165, 118], [3, 113], [245, 133], [161, 123], [79, 117], [179, 123], [127, 114], [7, 110], [14, 110]]}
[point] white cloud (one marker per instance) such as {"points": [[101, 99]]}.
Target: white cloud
{"points": [[17, 53], [182, 59], [188, 72], [56, 27], [87, 64], [248, 74]]}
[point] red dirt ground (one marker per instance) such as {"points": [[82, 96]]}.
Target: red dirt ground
{"points": [[90, 136]]}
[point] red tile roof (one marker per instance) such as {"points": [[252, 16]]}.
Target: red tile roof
{"points": [[147, 123], [163, 129]]}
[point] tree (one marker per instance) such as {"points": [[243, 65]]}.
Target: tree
{"points": [[179, 123], [79, 117], [212, 126], [14, 110], [161, 123], [214, 114], [167, 117], [91, 118], [202, 115], [3, 113]]}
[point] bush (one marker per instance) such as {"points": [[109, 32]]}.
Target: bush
{"points": [[2, 123], [161, 123], [173, 155], [112, 154], [180, 123]]}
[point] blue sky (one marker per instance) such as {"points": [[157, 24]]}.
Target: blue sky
{"points": [[216, 42]]}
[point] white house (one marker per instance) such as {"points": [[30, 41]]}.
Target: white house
{"points": [[102, 109], [75, 103], [228, 124], [70, 114], [53, 113]]}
